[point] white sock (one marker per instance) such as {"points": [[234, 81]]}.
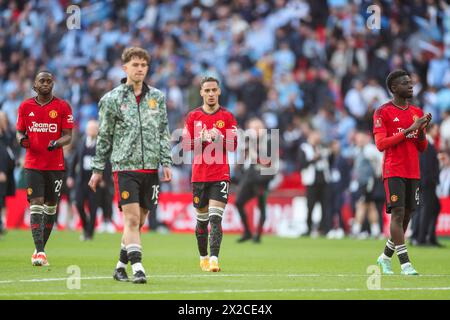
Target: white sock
{"points": [[120, 264], [405, 265], [375, 229], [383, 256], [356, 228], [137, 267]]}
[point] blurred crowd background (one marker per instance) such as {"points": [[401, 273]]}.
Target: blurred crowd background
{"points": [[311, 68]]}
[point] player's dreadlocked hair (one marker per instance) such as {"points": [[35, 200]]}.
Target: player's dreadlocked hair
{"points": [[208, 79], [394, 75]]}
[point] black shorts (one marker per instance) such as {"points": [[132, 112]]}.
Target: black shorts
{"points": [[42, 183], [137, 187], [401, 192], [204, 191], [375, 194]]}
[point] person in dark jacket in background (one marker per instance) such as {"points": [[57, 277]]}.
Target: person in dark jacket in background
{"points": [[80, 171], [7, 164], [339, 182], [315, 173], [424, 223], [254, 182]]}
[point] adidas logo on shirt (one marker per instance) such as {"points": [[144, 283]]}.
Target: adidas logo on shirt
{"points": [[396, 119], [31, 114]]}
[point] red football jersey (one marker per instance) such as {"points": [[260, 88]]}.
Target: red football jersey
{"points": [[43, 124], [401, 160], [210, 161]]}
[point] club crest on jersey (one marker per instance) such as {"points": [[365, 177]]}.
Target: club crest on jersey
{"points": [[394, 198], [125, 195], [220, 124], [196, 200], [29, 191], [152, 104], [53, 114], [378, 123]]}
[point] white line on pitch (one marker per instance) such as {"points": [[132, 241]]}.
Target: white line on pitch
{"points": [[187, 292], [216, 275]]}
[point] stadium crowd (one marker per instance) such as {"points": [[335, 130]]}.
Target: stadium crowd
{"points": [[313, 69]]}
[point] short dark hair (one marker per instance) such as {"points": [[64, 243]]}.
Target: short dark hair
{"points": [[43, 71], [208, 79], [137, 52], [393, 76]]}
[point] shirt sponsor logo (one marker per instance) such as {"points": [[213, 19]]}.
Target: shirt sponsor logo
{"points": [[53, 114], [411, 135], [43, 127]]}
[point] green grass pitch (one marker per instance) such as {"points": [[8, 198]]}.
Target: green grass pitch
{"points": [[278, 268]]}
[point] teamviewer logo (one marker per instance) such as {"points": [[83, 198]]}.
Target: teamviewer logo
{"points": [[43, 127], [53, 128]]}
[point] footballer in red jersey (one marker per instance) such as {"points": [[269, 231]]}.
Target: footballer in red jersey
{"points": [[44, 126], [210, 131], [399, 133]]}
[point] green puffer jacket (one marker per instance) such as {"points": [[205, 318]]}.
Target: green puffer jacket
{"points": [[135, 137]]}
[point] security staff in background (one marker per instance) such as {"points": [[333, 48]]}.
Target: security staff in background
{"points": [[315, 173], [424, 223], [80, 172], [253, 182], [7, 164]]}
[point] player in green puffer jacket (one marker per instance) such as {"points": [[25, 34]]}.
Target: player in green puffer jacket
{"points": [[134, 134]]}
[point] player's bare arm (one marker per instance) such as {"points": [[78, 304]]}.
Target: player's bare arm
{"points": [[167, 174], [66, 138]]}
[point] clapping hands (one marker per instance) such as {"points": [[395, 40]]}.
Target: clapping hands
{"points": [[210, 135]]}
